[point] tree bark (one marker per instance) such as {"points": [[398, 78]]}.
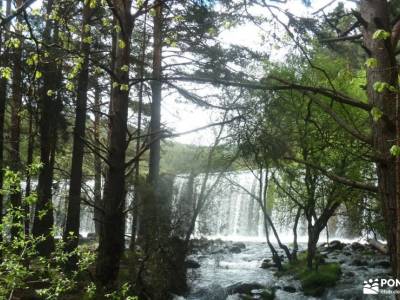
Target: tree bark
{"points": [[151, 207], [313, 237], [378, 246], [375, 15], [44, 219], [16, 106], [155, 124], [3, 100], [136, 204], [29, 161], [112, 240], [295, 225], [97, 161], [71, 232]]}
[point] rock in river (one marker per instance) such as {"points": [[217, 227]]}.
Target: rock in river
{"points": [[192, 264]]}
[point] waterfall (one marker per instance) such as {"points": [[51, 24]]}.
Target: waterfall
{"points": [[230, 211]]}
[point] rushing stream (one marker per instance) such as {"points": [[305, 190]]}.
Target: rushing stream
{"points": [[231, 263], [222, 270]]}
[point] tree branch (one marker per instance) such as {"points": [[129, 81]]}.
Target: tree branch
{"points": [[346, 181]]}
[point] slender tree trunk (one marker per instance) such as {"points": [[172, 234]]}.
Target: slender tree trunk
{"points": [[3, 100], [267, 213], [112, 240], [295, 244], [135, 212], [75, 184], [155, 124], [151, 206], [97, 161], [29, 161], [275, 256], [375, 15], [16, 106], [44, 219]]}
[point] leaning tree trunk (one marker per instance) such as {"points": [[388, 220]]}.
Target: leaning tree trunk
{"points": [[112, 240], [375, 16], [71, 231]]}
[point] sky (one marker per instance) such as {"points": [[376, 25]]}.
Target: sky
{"points": [[184, 117]]}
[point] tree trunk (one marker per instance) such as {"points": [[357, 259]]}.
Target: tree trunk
{"points": [[44, 219], [155, 124], [111, 245], [295, 244], [3, 99], [151, 206], [311, 246], [16, 106], [29, 161], [72, 226], [136, 204], [275, 257], [375, 15], [97, 161], [382, 248]]}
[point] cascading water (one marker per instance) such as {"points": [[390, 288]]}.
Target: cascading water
{"points": [[231, 212]]}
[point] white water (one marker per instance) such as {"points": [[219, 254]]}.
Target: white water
{"points": [[232, 214]]}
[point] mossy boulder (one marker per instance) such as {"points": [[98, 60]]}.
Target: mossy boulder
{"points": [[314, 282]]}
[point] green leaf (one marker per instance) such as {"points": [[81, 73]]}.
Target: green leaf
{"points": [[227, 24], [121, 44], [376, 114], [395, 150], [381, 34], [88, 40], [70, 86], [38, 75], [124, 87], [125, 68], [380, 87], [5, 72], [371, 63], [13, 43], [31, 199]]}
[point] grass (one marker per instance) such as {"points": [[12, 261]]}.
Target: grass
{"points": [[313, 282]]}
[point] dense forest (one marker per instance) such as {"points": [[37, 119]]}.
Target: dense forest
{"points": [[300, 150]]}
